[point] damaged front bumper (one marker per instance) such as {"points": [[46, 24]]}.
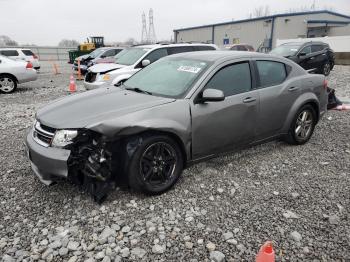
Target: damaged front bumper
{"points": [[48, 163], [86, 162]]}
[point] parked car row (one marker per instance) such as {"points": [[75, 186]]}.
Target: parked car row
{"points": [[114, 65]]}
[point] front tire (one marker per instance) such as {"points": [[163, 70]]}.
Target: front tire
{"points": [[326, 69], [8, 84], [156, 165], [302, 126]]}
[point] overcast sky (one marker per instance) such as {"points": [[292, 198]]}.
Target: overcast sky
{"points": [[46, 22]]}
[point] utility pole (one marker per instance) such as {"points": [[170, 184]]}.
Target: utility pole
{"points": [[151, 31], [144, 35]]}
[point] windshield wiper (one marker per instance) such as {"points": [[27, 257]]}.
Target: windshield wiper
{"points": [[138, 90]]}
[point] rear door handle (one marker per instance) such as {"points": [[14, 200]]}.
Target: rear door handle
{"points": [[294, 88], [249, 100]]}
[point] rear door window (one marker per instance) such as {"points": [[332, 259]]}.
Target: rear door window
{"points": [[232, 79], [317, 48], [9, 52], [203, 48], [180, 49], [271, 73], [109, 53], [157, 54], [27, 52]]}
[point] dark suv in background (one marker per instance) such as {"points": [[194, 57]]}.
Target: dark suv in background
{"points": [[309, 55]]}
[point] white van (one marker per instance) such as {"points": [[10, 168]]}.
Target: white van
{"points": [[21, 54], [131, 60]]}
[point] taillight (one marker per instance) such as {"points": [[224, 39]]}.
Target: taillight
{"points": [[35, 56], [29, 65], [325, 84]]}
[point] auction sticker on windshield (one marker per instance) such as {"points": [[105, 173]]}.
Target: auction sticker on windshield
{"points": [[189, 69]]}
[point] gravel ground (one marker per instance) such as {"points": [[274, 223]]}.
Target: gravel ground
{"points": [[223, 209]]}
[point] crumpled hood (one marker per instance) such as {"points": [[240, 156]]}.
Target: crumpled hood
{"points": [[94, 107], [102, 68], [82, 57]]}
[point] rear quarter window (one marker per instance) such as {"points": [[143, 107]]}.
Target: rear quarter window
{"points": [[180, 49], [9, 52], [203, 48], [28, 52], [271, 73]]}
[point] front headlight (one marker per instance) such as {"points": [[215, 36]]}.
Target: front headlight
{"points": [[63, 137], [106, 77]]}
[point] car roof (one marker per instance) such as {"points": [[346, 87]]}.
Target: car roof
{"points": [[154, 46], [212, 56], [304, 43], [13, 48]]}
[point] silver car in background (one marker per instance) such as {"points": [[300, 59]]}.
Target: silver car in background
{"points": [[15, 72], [177, 111]]}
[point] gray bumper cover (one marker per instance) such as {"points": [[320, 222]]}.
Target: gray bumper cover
{"points": [[47, 163]]}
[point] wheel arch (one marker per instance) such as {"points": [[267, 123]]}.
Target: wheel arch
{"points": [[175, 137], [9, 74], [307, 98]]}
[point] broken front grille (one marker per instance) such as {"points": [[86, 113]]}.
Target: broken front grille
{"points": [[43, 135], [90, 77]]}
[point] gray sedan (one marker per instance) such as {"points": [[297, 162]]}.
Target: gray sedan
{"points": [[15, 72], [178, 111]]}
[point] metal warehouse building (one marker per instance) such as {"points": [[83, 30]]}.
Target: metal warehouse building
{"points": [[263, 32]]}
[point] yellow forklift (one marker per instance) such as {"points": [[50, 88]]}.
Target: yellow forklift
{"points": [[87, 47]]}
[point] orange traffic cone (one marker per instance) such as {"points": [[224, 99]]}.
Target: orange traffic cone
{"points": [[266, 253], [72, 85]]}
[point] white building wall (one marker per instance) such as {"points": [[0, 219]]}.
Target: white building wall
{"points": [[296, 26], [253, 33], [203, 34]]}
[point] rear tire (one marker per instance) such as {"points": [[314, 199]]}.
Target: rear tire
{"points": [[156, 165], [302, 126], [8, 84]]}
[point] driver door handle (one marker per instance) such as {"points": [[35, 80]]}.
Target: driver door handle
{"points": [[249, 100]]}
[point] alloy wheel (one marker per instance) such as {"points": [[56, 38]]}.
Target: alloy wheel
{"points": [[157, 164], [6, 84], [303, 127]]}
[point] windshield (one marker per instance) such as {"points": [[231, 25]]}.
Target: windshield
{"points": [[129, 56], [96, 53], [169, 77], [285, 50]]}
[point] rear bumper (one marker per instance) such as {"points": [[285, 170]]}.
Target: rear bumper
{"points": [[27, 76], [47, 163]]}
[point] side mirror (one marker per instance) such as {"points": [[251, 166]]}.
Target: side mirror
{"points": [[212, 95], [103, 56], [145, 63], [302, 54]]}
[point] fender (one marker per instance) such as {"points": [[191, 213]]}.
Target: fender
{"points": [[153, 119], [302, 100]]}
